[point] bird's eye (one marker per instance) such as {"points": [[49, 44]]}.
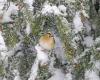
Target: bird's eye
{"points": [[50, 36]]}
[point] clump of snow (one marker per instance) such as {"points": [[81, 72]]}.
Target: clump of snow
{"points": [[11, 10], [4, 79], [41, 55], [98, 49], [97, 40], [88, 41], [62, 8], [53, 9], [28, 29], [97, 65], [68, 76], [58, 75], [2, 2], [41, 58], [48, 9], [34, 70], [30, 3], [91, 75], [71, 1], [85, 14], [56, 10], [5, 55], [16, 73], [78, 25], [2, 43]]}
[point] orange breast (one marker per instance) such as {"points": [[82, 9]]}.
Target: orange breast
{"points": [[47, 42]]}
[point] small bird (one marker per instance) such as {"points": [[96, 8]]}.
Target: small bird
{"points": [[47, 41]]}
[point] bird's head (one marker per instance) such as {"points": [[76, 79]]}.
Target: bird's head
{"points": [[47, 41]]}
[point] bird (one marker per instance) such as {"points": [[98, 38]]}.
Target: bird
{"points": [[47, 41]]}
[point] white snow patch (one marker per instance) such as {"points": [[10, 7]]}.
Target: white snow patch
{"points": [[98, 49], [88, 41], [78, 25], [85, 14], [5, 55], [97, 65], [56, 10], [41, 55], [4, 79], [68, 76], [2, 43], [48, 9], [2, 2], [30, 3], [34, 70], [97, 40], [58, 75], [16, 73], [28, 29], [71, 1], [11, 10], [62, 8], [41, 58], [91, 75], [52, 9]]}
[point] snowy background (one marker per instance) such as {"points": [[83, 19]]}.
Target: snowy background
{"points": [[75, 25]]}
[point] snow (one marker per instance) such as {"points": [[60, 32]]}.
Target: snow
{"points": [[2, 43], [71, 1], [11, 10], [17, 78], [58, 75], [97, 40], [41, 58], [28, 29], [4, 79], [49, 9], [62, 8], [98, 49], [78, 25], [91, 75], [88, 41], [30, 3], [16, 73], [34, 70], [85, 14], [59, 51], [97, 65], [53, 9], [2, 2], [68, 76], [41, 55]]}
